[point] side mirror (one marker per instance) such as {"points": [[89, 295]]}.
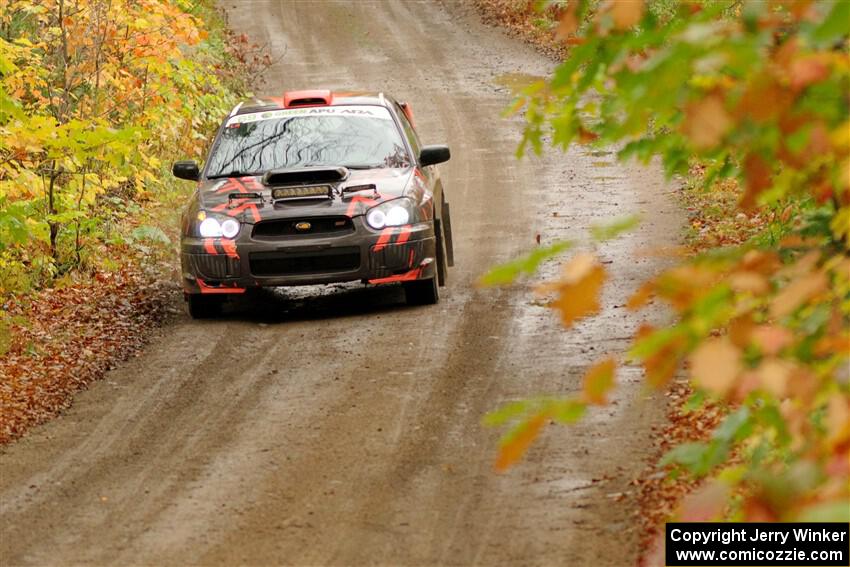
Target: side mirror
{"points": [[431, 155], [187, 169]]}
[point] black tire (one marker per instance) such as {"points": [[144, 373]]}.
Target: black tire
{"points": [[422, 292], [442, 268], [255, 293], [204, 306], [447, 233]]}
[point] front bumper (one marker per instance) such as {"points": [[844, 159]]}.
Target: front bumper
{"points": [[222, 266]]}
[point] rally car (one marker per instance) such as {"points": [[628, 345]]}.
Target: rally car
{"points": [[315, 187]]}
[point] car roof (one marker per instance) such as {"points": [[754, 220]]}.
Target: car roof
{"points": [[311, 98]]}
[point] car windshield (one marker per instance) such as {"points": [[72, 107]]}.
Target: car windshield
{"points": [[351, 136]]}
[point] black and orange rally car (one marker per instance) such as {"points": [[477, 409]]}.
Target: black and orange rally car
{"points": [[315, 187]]}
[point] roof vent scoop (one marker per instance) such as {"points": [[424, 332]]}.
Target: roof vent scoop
{"points": [[295, 99], [304, 175]]}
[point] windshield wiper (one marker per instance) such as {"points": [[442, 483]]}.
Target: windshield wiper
{"points": [[234, 173], [365, 166]]}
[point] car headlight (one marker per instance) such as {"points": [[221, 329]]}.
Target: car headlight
{"points": [[213, 227], [397, 212]]}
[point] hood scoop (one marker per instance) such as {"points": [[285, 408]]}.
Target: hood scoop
{"points": [[304, 176]]}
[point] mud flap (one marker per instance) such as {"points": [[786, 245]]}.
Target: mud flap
{"points": [[447, 233]]}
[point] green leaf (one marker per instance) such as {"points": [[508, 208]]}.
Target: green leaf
{"points": [[654, 342], [835, 26], [528, 264], [568, 411], [508, 412], [734, 426], [602, 232], [692, 456], [694, 402], [770, 416]]}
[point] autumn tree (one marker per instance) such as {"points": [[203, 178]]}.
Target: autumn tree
{"points": [[94, 96]]}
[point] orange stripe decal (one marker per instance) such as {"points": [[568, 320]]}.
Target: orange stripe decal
{"points": [[383, 240], [404, 236], [405, 277], [229, 247], [235, 210], [221, 289], [209, 246], [352, 207], [245, 206]]}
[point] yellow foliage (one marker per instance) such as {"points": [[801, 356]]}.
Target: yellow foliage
{"points": [[96, 95]]}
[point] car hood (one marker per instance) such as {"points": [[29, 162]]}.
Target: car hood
{"points": [[248, 199]]}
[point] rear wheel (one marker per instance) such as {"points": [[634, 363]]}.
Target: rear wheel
{"points": [[422, 292], [204, 306]]}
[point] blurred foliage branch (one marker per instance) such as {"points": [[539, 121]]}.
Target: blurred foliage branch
{"points": [[758, 93]]}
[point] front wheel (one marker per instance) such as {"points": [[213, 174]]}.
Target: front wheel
{"points": [[442, 267], [447, 235], [422, 292], [204, 306]]}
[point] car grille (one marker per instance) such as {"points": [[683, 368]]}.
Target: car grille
{"points": [[322, 262], [392, 257], [320, 226], [212, 267]]}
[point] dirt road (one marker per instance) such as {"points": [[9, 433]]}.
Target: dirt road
{"points": [[339, 426]]}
